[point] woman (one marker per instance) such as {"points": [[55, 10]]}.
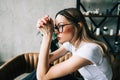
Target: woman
{"points": [[89, 55]]}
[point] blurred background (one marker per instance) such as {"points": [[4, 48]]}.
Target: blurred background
{"points": [[18, 19]]}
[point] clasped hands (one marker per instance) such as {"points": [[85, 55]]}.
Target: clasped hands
{"points": [[45, 25]]}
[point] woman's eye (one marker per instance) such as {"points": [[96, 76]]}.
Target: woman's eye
{"points": [[60, 26]]}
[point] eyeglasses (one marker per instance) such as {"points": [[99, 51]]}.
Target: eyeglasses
{"points": [[59, 27]]}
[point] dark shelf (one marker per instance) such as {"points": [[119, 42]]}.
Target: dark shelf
{"points": [[108, 35], [102, 15], [110, 40]]}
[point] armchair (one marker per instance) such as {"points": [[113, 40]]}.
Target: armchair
{"points": [[27, 62], [24, 63], [18, 65]]}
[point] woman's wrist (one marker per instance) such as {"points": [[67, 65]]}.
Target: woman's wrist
{"points": [[47, 37]]}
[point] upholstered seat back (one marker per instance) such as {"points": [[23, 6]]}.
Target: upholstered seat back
{"points": [[27, 62], [24, 63]]}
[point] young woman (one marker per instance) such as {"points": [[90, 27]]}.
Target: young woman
{"points": [[88, 54]]}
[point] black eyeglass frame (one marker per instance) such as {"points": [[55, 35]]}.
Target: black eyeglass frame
{"points": [[60, 27]]}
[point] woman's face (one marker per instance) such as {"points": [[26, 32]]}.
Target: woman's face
{"points": [[66, 29]]}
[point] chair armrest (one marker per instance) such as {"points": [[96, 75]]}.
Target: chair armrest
{"points": [[24, 63], [18, 65]]}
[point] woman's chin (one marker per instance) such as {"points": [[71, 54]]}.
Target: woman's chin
{"points": [[61, 42]]}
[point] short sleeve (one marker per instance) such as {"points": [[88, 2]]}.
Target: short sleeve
{"points": [[91, 52], [67, 46]]}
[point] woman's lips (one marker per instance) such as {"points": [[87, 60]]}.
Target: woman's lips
{"points": [[58, 38]]}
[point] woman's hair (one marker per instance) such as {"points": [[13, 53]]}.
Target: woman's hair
{"points": [[82, 30]]}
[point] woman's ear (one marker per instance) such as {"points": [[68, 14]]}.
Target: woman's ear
{"points": [[80, 27], [80, 24]]}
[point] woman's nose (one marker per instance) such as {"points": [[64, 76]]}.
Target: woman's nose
{"points": [[56, 32]]}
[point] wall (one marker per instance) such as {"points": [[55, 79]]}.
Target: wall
{"points": [[18, 21]]}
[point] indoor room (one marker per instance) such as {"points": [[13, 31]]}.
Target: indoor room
{"points": [[23, 29]]}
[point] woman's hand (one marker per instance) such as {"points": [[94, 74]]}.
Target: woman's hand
{"points": [[45, 25]]}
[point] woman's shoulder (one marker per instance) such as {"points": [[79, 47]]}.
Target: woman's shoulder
{"points": [[89, 45], [67, 46], [92, 47]]}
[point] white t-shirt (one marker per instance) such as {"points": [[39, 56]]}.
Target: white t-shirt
{"points": [[100, 69]]}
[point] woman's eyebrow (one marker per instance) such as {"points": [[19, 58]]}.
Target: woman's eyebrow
{"points": [[59, 23]]}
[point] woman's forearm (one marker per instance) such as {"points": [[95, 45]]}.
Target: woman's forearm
{"points": [[43, 63], [44, 25]]}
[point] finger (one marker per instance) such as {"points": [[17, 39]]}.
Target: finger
{"points": [[51, 21], [46, 17], [44, 21], [40, 23]]}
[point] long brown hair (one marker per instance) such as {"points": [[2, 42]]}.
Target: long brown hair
{"points": [[82, 31]]}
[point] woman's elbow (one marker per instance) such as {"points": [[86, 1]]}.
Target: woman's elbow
{"points": [[39, 78], [42, 78]]}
